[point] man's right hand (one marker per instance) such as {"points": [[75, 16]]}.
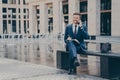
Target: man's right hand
{"points": [[69, 38]]}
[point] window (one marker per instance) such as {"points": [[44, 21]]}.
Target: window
{"points": [[18, 1], [50, 10], [4, 10], [24, 10], [83, 6], [4, 26], [9, 16], [13, 1], [5, 1], [19, 16], [13, 10], [9, 21], [38, 17], [66, 19], [13, 16], [28, 24], [25, 26], [105, 4], [50, 25], [106, 24], [24, 16], [19, 26], [38, 11], [19, 10], [65, 9], [13, 25], [4, 16], [23, 1]]}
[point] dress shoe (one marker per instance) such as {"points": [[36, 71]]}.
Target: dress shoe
{"points": [[76, 63], [71, 71]]}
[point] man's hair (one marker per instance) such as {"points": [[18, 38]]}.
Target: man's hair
{"points": [[76, 13]]}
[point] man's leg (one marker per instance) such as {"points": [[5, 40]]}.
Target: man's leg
{"points": [[72, 49], [72, 57]]}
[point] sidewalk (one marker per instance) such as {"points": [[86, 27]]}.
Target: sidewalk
{"points": [[17, 70]]}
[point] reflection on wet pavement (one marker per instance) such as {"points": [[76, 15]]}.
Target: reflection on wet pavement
{"points": [[40, 52]]}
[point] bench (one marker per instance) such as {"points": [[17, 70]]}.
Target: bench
{"points": [[109, 62]]}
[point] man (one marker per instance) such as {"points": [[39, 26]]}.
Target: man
{"points": [[74, 39]]}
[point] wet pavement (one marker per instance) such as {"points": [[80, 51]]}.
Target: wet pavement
{"points": [[17, 70], [36, 60]]}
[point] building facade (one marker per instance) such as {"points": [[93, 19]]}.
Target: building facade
{"points": [[49, 16], [14, 17]]}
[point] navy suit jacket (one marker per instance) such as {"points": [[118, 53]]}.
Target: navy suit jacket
{"points": [[80, 36]]}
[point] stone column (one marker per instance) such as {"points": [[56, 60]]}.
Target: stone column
{"points": [[115, 23], [93, 29], [22, 19], [56, 17], [73, 7], [94, 17], [32, 19], [17, 19], [1, 20], [115, 28], [43, 18]]}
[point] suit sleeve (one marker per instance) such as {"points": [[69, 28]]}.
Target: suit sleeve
{"points": [[66, 34]]}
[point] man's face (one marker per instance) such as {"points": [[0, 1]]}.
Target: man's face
{"points": [[76, 19]]}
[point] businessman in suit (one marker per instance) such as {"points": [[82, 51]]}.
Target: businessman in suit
{"points": [[74, 37]]}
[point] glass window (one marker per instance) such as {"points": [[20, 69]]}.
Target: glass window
{"points": [[24, 10], [13, 25], [4, 10], [106, 24], [38, 11], [13, 16], [24, 16], [4, 16], [83, 6], [13, 10], [23, 1], [4, 26], [19, 16], [4, 1], [28, 23], [9, 16], [24, 26], [105, 4], [19, 10], [9, 21], [14, 1], [65, 9], [19, 26], [18, 1]]}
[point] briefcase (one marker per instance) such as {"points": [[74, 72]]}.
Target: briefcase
{"points": [[62, 60]]}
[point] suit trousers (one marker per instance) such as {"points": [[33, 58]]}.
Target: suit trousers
{"points": [[72, 48]]}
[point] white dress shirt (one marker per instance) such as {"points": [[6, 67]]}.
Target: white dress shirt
{"points": [[73, 27]]}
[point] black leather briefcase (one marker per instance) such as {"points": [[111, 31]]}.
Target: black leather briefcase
{"points": [[62, 60]]}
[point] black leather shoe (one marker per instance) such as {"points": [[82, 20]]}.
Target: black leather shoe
{"points": [[76, 63], [71, 71]]}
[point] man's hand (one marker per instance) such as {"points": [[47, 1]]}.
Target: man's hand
{"points": [[69, 38], [80, 25]]}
